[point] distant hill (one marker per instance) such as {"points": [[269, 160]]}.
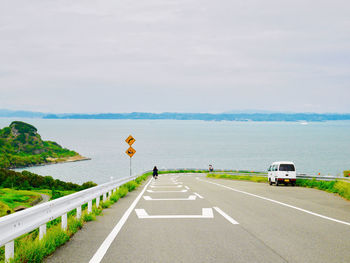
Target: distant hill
{"points": [[207, 116], [244, 115], [21, 145], [21, 114]]}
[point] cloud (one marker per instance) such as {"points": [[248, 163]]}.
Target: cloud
{"points": [[175, 55]]}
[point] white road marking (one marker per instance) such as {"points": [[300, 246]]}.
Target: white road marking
{"points": [[280, 203], [206, 213], [165, 186], [230, 219], [148, 198], [187, 187], [201, 197], [181, 191], [110, 238]]}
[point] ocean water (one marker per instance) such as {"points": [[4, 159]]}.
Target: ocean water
{"points": [[322, 147]]}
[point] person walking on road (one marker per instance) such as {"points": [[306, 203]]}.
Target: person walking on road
{"points": [[155, 172]]}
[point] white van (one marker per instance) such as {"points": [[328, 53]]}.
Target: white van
{"points": [[282, 172]]}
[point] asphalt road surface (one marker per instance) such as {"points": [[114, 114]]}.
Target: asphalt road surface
{"points": [[191, 218]]}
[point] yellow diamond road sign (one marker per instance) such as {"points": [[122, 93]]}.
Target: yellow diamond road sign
{"points": [[130, 140], [131, 151]]}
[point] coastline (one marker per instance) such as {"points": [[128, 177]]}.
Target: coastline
{"points": [[71, 159], [75, 158]]}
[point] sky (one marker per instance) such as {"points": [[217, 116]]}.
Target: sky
{"points": [[89, 56]]}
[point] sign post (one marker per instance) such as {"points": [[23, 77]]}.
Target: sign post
{"points": [[131, 151]]}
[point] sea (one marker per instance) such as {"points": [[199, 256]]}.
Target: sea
{"points": [[315, 148]]}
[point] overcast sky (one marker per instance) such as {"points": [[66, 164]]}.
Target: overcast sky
{"points": [[175, 55]]}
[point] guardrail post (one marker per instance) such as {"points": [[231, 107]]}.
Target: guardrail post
{"points": [[64, 222], [9, 251], [104, 197], [79, 212], [98, 201], [42, 231], [90, 206], [109, 194]]}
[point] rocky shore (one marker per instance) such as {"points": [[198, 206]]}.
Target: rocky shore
{"points": [[70, 159]]}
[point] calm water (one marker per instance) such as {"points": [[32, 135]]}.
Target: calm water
{"points": [[316, 147]]}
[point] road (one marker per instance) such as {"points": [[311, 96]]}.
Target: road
{"points": [[45, 198], [191, 218]]}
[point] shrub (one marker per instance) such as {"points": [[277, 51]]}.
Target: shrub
{"points": [[89, 217], [338, 187], [74, 225], [122, 191], [343, 189], [97, 210], [36, 250], [106, 204], [346, 173], [115, 197], [131, 186], [254, 178]]}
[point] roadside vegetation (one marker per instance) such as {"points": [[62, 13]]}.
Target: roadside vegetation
{"points": [[206, 171], [339, 187], [29, 248], [28, 181], [253, 178], [11, 199], [21, 146], [24, 189], [346, 173]]}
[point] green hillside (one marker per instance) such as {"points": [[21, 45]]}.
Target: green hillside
{"points": [[21, 146], [21, 189]]}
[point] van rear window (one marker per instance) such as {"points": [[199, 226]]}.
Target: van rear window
{"points": [[287, 167]]}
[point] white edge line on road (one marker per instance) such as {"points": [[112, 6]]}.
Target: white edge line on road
{"points": [[110, 238], [230, 219], [280, 203], [206, 213], [201, 197]]}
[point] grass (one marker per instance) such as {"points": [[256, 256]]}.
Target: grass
{"points": [[3, 209], [106, 204], [10, 199], [28, 248], [206, 171], [87, 217], [122, 191], [257, 179], [346, 173], [341, 188], [338, 187]]}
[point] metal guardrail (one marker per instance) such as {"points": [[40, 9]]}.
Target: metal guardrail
{"points": [[318, 177], [15, 225]]}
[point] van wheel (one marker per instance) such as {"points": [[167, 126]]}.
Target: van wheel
{"points": [[277, 184], [270, 181]]}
